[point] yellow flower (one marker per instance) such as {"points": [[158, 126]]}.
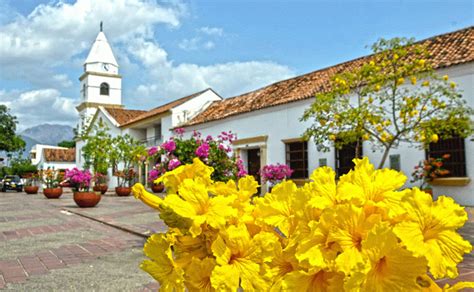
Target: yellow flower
{"points": [[332, 137], [193, 202], [393, 268], [434, 138], [430, 231], [452, 84], [445, 77], [400, 81], [315, 280], [198, 275], [149, 199], [239, 257], [365, 184], [371, 99], [425, 83], [365, 137], [161, 265], [172, 179], [377, 87], [413, 80], [278, 208], [421, 62]]}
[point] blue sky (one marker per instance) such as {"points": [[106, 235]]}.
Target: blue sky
{"points": [[170, 49]]}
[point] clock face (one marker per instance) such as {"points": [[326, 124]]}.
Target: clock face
{"points": [[106, 67]]}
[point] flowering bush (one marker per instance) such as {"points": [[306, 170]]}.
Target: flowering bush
{"points": [[275, 172], [429, 169], [360, 233], [79, 179], [213, 152], [126, 177], [50, 177], [99, 179]]}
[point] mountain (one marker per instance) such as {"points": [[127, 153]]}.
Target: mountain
{"points": [[49, 134]]}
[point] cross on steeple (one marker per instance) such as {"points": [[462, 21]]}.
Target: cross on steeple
{"points": [[101, 26]]}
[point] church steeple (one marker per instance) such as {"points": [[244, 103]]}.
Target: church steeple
{"points": [[101, 58], [101, 85]]}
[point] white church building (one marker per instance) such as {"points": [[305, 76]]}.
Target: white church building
{"points": [[267, 120]]}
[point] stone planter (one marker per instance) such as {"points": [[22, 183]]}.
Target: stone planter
{"points": [[100, 188], [86, 199], [31, 190], [428, 191], [123, 191], [53, 193], [159, 188]]}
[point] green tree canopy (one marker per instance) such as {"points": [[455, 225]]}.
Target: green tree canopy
{"points": [[9, 141], [67, 144], [393, 97]]}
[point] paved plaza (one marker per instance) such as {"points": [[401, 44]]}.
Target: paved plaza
{"points": [[52, 245]]}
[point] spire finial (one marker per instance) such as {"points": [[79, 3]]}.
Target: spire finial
{"points": [[101, 26]]}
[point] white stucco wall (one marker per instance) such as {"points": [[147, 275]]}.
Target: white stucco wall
{"points": [[192, 107], [93, 83], [282, 122]]}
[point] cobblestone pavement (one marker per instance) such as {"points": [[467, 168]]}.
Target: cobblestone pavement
{"points": [[52, 245]]}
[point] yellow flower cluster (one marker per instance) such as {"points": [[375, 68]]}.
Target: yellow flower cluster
{"points": [[358, 234]]}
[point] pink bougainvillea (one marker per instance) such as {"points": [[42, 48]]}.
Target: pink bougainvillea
{"points": [[169, 145], [275, 172]]}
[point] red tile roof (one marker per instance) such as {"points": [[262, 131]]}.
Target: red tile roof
{"points": [[123, 115], [163, 108], [446, 50], [59, 155]]}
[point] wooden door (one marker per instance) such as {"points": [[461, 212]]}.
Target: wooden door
{"points": [[253, 163]]}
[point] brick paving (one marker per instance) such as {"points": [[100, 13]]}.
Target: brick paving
{"points": [[33, 264], [42, 268]]}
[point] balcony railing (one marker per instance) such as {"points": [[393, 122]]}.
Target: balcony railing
{"points": [[152, 141]]}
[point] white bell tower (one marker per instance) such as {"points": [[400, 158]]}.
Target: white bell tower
{"points": [[101, 85]]}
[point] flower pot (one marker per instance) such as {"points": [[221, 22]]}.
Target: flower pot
{"points": [[100, 188], [428, 191], [157, 188], [86, 199], [52, 193], [31, 190], [123, 191]]}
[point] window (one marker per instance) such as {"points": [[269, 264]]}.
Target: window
{"points": [[344, 158], [297, 158], [456, 164], [84, 91], [104, 89]]}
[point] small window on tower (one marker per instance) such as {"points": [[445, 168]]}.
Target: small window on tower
{"points": [[104, 89]]}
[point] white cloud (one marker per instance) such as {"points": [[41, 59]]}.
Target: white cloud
{"points": [[53, 33], [214, 31], [45, 105], [35, 49], [190, 44]]}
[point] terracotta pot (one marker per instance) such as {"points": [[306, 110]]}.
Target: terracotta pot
{"points": [[428, 191], [123, 191], [86, 199], [100, 188], [157, 188], [53, 193], [31, 190]]}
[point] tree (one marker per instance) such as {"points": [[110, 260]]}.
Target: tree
{"points": [[98, 147], [127, 152], [9, 141], [394, 97], [67, 144]]}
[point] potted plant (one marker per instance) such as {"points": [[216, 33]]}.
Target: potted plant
{"points": [[275, 173], [50, 179], [31, 184], [126, 153], [125, 178], [427, 170], [100, 183], [80, 182], [153, 175]]}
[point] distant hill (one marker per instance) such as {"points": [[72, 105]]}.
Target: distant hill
{"points": [[49, 134]]}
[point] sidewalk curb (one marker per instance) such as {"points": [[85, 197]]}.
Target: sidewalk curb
{"points": [[125, 229]]}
